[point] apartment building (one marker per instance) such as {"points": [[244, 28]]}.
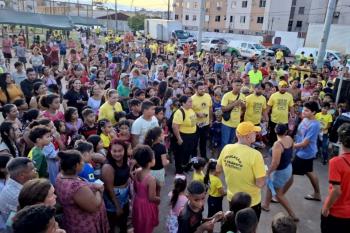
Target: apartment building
{"points": [[245, 16], [318, 11]]}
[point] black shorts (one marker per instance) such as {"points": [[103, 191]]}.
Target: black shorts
{"points": [[302, 166], [7, 55], [23, 60]]}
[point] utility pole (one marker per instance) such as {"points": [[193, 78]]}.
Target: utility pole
{"points": [[326, 30], [201, 23], [78, 7], [116, 15], [168, 9]]}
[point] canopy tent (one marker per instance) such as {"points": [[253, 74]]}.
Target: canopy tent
{"points": [[43, 20]]}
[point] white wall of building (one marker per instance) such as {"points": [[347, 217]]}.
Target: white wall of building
{"points": [[277, 15], [290, 39], [238, 11]]}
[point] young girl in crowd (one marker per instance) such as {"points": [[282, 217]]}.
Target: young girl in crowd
{"points": [[124, 134], [61, 129], [73, 122], [198, 164], [86, 149], [178, 200], [215, 189], [106, 132], [52, 105], [155, 138], [146, 199]]}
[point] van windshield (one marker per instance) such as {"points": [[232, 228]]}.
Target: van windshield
{"points": [[258, 46], [182, 34]]}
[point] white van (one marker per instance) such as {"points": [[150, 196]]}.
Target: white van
{"points": [[250, 49], [330, 54]]}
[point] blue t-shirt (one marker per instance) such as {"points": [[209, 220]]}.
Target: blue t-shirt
{"points": [[87, 173], [308, 129]]}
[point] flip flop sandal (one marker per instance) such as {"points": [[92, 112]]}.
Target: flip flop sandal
{"points": [[312, 198]]}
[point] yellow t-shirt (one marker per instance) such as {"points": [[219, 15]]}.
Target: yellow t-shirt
{"points": [[106, 140], [107, 111], [187, 125], [255, 77], [279, 55], [154, 48], [242, 165], [324, 119], [280, 104], [255, 105], [202, 104], [198, 176], [235, 118], [214, 186], [170, 48]]}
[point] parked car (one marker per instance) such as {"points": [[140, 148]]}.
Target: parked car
{"points": [[249, 49], [285, 49], [214, 44], [331, 56]]}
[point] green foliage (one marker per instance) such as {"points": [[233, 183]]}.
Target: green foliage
{"points": [[137, 22]]}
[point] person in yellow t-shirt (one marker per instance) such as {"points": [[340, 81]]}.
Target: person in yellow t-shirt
{"points": [[232, 102], [216, 190], [279, 55], [198, 165], [243, 166], [280, 104], [326, 120], [202, 106], [255, 75], [170, 48], [110, 107], [255, 106], [184, 128]]}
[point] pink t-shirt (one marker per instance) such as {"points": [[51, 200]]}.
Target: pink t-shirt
{"points": [[181, 202], [58, 116]]}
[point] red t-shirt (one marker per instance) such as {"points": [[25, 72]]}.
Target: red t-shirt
{"points": [[339, 173]]}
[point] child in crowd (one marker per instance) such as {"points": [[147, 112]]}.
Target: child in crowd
{"points": [[73, 122], [239, 201], [190, 219], [120, 116], [155, 138], [178, 200], [159, 113], [124, 134], [146, 198], [86, 150], [52, 105], [215, 133], [61, 129], [89, 127], [246, 221], [215, 188], [135, 109], [326, 120], [106, 132], [283, 224], [40, 136], [198, 164]]}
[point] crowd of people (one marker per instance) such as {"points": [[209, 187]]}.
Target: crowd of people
{"points": [[91, 126]]}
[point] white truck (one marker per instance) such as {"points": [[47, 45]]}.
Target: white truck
{"points": [[161, 29]]}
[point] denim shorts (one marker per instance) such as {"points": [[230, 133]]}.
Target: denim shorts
{"points": [[280, 177]]}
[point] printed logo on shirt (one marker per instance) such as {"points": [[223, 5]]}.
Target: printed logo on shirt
{"points": [[232, 161], [282, 104]]}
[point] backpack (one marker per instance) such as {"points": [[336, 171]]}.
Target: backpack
{"points": [[170, 120]]}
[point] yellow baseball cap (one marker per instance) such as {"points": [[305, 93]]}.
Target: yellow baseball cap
{"points": [[247, 127], [282, 83]]}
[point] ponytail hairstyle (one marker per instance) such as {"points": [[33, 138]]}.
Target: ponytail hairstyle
{"points": [[198, 163], [47, 100], [5, 129], [6, 109], [180, 184], [44, 121], [3, 85], [152, 135], [210, 168], [101, 124], [94, 140], [30, 115]]}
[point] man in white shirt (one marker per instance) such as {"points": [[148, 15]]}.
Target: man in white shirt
{"points": [[144, 123]]}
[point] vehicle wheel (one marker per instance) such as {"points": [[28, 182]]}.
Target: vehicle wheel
{"points": [[211, 50]]}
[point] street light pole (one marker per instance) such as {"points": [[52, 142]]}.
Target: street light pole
{"points": [[201, 22], [116, 15]]}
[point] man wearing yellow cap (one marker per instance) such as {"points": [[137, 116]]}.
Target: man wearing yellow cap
{"points": [[281, 103], [243, 166]]}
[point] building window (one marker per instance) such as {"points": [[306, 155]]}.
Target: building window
{"points": [[176, 17], [294, 2], [206, 18], [217, 18], [218, 4], [234, 4], [290, 23], [216, 30], [260, 20], [231, 19], [262, 3], [187, 17], [195, 5], [244, 4], [301, 10], [299, 24], [194, 17], [188, 5], [242, 19]]}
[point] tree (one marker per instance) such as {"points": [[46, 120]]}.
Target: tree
{"points": [[137, 22]]}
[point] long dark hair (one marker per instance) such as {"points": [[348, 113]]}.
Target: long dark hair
{"points": [[6, 109], [179, 186], [3, 86], [163, 85], [5, 129], [109, 157], [152, 135], [211, 167], [94, 140]]}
